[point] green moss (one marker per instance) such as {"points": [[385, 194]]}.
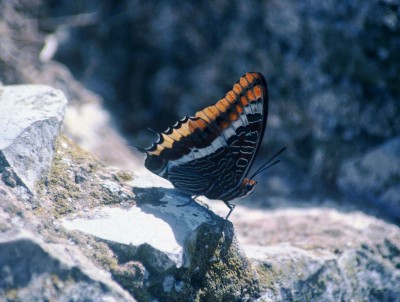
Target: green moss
{"points": [[124, 176], [220, 271], [266, 276], [217, 270], [98, 251], [60, 186], [131, 276], [77, 179], [12, 294]]}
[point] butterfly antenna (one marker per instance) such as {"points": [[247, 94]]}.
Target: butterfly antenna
{"points": [[265, 166]]}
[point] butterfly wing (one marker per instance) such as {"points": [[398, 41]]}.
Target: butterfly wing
{"points": [[211, 153]]}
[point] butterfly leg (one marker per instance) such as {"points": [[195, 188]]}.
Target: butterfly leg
{"points": [[186, 203], [231, 206]]}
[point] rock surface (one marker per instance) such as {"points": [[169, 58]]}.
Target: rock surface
{"points": [[321, 254], [165, 226], [32, 270], [30, 118]]}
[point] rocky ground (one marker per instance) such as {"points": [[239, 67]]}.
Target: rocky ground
{"points": [[75, 227]]}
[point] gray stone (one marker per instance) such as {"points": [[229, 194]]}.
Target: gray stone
{"points": [[30, 118], [32, 270], [321, 255], [181, 248], [165, 227]]}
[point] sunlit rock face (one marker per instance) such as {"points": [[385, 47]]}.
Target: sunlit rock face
{"points": [[30, 118]]}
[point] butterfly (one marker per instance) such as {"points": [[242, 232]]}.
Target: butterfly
{"points": [[212, 152]]}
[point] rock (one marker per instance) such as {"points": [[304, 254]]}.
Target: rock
{"points": [[183, 249], [79, 181], [375, 176], [30, 120], [321, 255], [95, 219], [32, 270], [164, 226]]}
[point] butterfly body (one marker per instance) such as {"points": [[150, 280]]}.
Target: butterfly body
{"points": [[211, 153]]}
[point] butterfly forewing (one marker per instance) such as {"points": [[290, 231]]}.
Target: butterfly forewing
{"points": [[211, 153]]}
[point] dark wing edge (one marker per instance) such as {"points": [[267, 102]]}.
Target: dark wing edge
{"points": [[265, 102]]}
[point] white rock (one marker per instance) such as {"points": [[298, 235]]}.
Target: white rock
{"points": [[165, 227], [37, 271], [30, 118]]}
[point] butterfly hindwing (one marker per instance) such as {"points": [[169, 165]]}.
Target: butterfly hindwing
{"points": [[212, 152]]}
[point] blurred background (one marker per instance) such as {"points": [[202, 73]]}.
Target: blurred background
{"points": [[332, 68]]}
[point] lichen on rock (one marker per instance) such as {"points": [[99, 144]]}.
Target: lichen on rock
{"points": [[77, 180]]}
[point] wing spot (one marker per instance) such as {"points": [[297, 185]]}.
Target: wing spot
{"points": [[243, 100], [250, 95], [257, 91], [167, 139], [249, 77], [210, 113], [233, 116], [237, 89]]}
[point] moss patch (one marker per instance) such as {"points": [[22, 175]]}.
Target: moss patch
{"points": [[78, 180], [217, 272], [124, 176], [267, 276], [221, 273]]}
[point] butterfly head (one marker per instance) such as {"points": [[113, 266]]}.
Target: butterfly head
{"points": [[247, 186]]}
